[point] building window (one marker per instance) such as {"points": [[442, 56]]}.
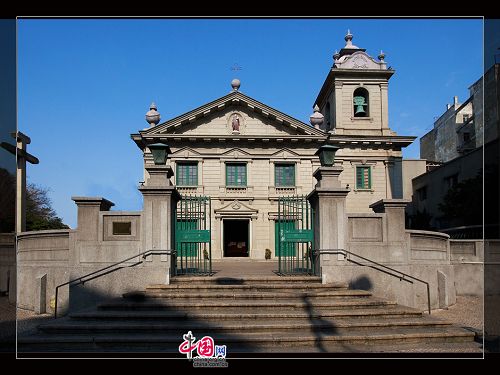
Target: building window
{"points": [[466, 117], [363, 178], [361, 102], [450, 181], [466, 137], [236, 174], [187, 174], [422, 193], [284, 175]]}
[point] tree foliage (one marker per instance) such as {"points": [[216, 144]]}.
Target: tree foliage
{"points": [[420, 220], [39, 212], [463, 203], [7, 201]]}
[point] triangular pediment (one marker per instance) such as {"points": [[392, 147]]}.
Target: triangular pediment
{"points": [[236, 152], [186, 152], [233, 115], [236, 208], [358, 60], [285, 153]]}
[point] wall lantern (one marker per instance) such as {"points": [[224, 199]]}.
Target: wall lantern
{"points": [[326, 155], [160, 152]]}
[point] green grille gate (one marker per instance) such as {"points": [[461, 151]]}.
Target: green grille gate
{"points": [[192, 235], [295, 236]]}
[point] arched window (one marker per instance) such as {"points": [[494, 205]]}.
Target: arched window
{"points": [[327, 116], [361, 102]]}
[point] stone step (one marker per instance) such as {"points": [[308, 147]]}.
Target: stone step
{"points": [[389, 312], [243, 341], [245, 280], [296, 303], [204, 328], [257, 287], [232, 294]]}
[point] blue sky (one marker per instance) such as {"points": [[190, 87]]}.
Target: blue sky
{"points": [[85, 85]]}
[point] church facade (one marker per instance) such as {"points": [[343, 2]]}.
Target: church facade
{"points": [[244, 154], [243, 159]]}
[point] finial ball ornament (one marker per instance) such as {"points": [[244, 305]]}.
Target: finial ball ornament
{"points": [[235, 84], [152, 116], [317, 117]]}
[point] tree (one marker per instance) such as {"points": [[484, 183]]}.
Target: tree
{"points": [[7, 201], [463, 203], [39, 212], [420, 220]]}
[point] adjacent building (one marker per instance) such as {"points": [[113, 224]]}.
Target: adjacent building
{"points": [[454, 151]]}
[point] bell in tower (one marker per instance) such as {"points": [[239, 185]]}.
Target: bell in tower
{"points": [[354, 96], [359, 103]]}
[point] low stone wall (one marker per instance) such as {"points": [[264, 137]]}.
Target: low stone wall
{"points": [[467, 257], [47, 259], [421, 254], [367, 236], [427, 246], [43, 263], [8, 265], [101, 244], [491, 268]]}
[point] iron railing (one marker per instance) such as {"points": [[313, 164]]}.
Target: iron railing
{"points": [[385, 269], [470, 232], [109, 269], [193, 236], [295, 236]]}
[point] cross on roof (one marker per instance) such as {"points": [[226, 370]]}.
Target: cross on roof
{"points": [[22, 155]]}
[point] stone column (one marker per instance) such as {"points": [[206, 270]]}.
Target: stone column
{"points": [[21, 189], [88, 216], [388, 186], [160, 200], [328, 202], [384, 102], [394, 210], [338, 117]]}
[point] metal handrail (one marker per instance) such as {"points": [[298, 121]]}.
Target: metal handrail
{"points": [[83, 279], [402, 276]]}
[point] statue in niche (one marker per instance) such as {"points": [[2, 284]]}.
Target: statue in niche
{"points": [[236, 123]]}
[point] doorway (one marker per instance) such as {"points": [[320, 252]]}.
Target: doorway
{"points": [[236, 238]]}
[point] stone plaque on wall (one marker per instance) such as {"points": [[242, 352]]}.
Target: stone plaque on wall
{"points": [[365, 229]]}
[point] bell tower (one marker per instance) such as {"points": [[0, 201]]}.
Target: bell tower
{"points": [[354, 98]]}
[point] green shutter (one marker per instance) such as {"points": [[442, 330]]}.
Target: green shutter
{"points": [[363, 178], [359, 178]]}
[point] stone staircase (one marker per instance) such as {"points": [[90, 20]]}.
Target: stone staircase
{"points": [[251, 314]]}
